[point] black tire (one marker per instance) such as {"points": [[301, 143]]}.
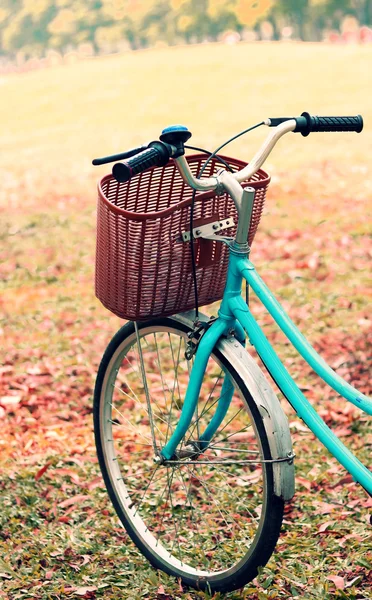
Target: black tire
{"points": [[270, 520]]}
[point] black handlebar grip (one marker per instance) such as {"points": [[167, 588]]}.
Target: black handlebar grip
{"points": [[307, 124], [157, 154]]}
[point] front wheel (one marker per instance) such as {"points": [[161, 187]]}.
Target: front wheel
{"points": [[209, 518]]}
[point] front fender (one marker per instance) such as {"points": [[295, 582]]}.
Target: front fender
{"points": [[273, 417]]}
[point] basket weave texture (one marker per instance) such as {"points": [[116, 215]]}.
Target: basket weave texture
{"points": [[143, 268]]}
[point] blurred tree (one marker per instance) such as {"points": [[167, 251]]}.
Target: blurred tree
{"points": [[25, 25], [361, 9], [222, 17], [35, 25], [192, 19], [296, 13], [160, 24], [248, 12]]}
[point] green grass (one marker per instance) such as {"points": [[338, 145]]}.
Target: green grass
{"points": [[312, 248]]}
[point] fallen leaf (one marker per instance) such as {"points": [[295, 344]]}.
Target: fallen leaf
{"points": [[73, 500], [346, 479], [96, 482], [63, 519], [324, 526], [304, 482], [81, 591], [69, 472], [42, 470], [338, 581], [10, 400]]}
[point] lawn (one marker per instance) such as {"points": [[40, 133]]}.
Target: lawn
{"points": [[59, 536]]}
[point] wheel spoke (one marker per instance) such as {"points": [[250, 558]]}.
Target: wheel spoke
{"points": [[200, 513]]}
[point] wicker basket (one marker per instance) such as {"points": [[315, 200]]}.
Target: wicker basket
{"points": [[143, 268]]}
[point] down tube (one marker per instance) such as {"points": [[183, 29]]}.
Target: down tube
{"points": [[301, 405]]}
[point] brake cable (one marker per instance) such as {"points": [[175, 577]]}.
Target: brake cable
{"points": [[199, 175]]}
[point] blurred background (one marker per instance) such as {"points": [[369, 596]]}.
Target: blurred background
{"points": [[42, 32], [87, 78]]}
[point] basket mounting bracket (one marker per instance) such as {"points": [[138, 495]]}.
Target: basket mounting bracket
{"points": [[207, 231]]}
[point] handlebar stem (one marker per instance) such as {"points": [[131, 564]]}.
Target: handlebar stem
{"points": [[232, 187]]}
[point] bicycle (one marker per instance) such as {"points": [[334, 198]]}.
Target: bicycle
{"points": [[194, 447]]}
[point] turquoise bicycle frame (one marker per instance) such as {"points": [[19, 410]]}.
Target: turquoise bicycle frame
{"points": [[234, 314]]}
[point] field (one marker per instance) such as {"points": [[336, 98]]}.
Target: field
{"points": [[59, 537]]}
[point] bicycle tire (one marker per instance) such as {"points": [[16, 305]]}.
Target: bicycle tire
{"points": [[270, 513]]}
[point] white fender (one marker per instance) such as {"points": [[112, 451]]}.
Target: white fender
{"points": [[273, 417]]}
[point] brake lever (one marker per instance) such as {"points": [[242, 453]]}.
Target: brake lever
{"points": [[122, 156]]}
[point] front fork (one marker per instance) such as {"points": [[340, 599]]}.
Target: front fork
{"points": [[220, 327]]}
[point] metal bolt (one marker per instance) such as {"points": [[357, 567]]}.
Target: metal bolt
{"points": [[198, 232], [215, 226]]}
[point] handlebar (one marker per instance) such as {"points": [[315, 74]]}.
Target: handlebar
{"points": [[306, 124], [158, 153]]}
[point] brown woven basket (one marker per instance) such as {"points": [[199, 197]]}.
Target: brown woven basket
{"points": [[143, 268]]}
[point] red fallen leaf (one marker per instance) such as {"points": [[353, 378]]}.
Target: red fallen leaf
{"points": [[63, 519], [82, 591], [338, 581], [161, 590], [326, 508], [322, 528], [304, 482], [73, 500], [342, 431], [69, 511], [96, 482], [48, 575], [42, 470], [69, 472], [346, 479], [353, 503]]}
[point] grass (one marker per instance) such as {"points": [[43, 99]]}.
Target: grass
{"points": [[312, 248]]}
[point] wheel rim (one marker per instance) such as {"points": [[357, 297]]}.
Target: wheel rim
{"points": [[200, 519]]}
